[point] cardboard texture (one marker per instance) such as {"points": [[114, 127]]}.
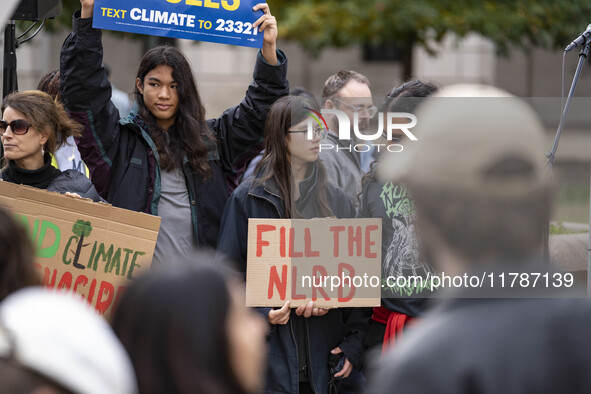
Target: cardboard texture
{"points": [[333, 262], [94, 249]]}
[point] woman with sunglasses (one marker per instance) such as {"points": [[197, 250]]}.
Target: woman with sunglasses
{"points": [[31, 126], [290, 182]]}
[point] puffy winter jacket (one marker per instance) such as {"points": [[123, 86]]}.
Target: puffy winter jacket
{"points": [[52, 179]]}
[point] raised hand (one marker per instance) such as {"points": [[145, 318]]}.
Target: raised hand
{"points": [[268, 24], [87, 8]]}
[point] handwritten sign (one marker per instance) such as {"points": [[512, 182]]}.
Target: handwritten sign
{"points": [[333, 262], [221, 21], [90, 248]]}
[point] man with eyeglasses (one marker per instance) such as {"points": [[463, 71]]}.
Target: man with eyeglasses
{"points": [[347, 91]]}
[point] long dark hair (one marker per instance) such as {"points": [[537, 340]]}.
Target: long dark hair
{"points": [[275, 164], [50, 84], [409, 89], [17, 260], [190, 136], [173, 323]]}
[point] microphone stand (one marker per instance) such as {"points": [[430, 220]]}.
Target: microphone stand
{"points": [[10, 81], [552, 154]]}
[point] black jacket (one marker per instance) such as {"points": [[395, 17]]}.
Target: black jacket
{"points": [[342, 327], [491, 346], [73, 181], [120, 154], [392, 204]]}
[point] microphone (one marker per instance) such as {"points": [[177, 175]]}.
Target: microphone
{"points": [[582, 39]]}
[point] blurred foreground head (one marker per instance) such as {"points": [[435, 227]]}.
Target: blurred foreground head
{"points": [[17, 256], [55, 343], [477, 176], [187, 331]]}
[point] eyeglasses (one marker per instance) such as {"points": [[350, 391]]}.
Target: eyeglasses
{"points": [[18, 126], [318, 132], [372, 110]]}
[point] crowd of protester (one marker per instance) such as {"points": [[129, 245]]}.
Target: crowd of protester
{"points": [[472, 196]]}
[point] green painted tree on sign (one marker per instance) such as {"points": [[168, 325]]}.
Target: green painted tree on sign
{"points": [[81, 229]]}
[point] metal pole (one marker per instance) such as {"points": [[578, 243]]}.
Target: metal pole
{"points": [[552, 154], [589, 250], [10, 83], [582, 56]]}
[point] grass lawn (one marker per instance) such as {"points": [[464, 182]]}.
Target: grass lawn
{"points": [[572, 204]]}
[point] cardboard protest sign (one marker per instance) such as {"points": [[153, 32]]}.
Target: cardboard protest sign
{"points": [[91, 248], [333, 262], [222, 21]]}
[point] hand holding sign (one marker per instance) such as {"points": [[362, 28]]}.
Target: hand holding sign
{"points": [[87, 8], [221, 21], [280, 316], [309, 310], [268, 24], [75, 195]]}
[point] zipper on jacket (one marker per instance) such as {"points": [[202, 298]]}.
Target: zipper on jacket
{"points": [[157, 186], [296, 347], [290, 320], [311, 374], [194, 216], [268, 200], [192, 202]]}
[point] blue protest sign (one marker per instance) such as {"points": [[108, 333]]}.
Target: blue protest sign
{"points": [[222, 21]]}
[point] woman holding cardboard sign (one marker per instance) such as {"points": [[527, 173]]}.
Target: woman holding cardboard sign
{"points": [[290, 182], [32, 127], [165, 158]]}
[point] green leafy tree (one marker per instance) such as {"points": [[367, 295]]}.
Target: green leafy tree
{"points": [[320, 24], [81, 229], [64, 21]]}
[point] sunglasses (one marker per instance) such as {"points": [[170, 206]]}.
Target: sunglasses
{"points": [[17, 126]]}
